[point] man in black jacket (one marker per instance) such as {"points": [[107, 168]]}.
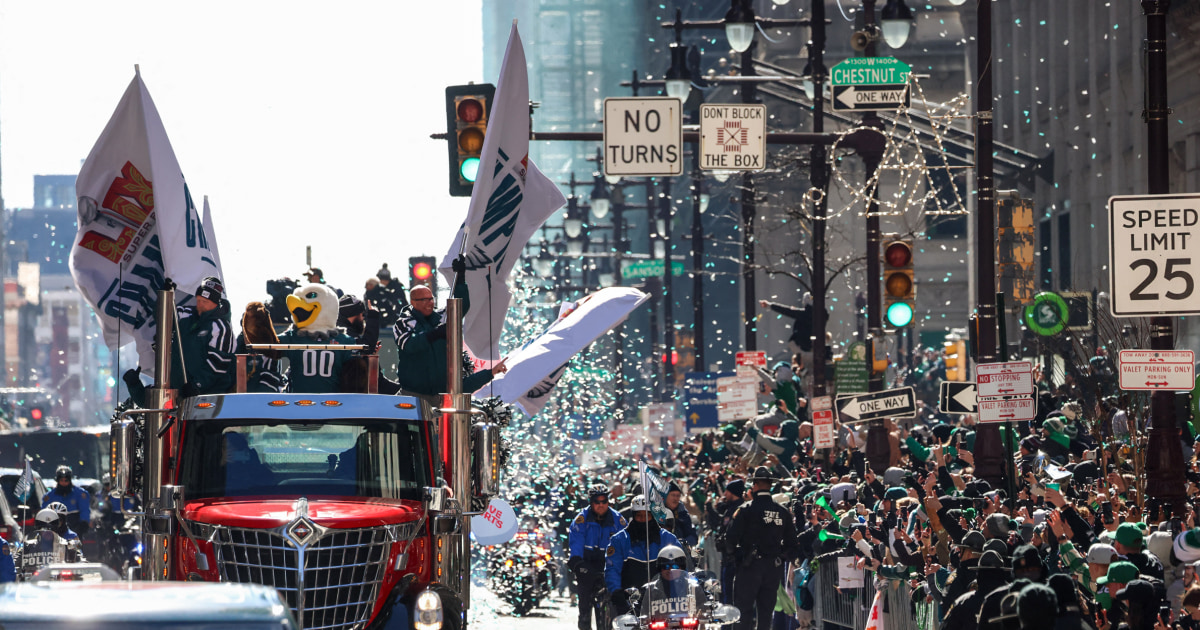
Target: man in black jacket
{"points": [[763, 539]]}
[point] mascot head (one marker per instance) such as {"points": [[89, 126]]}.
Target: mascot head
{"points": [[314, 307]]}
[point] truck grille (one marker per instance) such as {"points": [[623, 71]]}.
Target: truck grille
{"points": [[330, 580]]}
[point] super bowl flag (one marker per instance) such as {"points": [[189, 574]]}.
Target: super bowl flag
{"points": [[211, 237], [511, 199], [137, 225], [655, 489], [535, 369], [21, 489]]}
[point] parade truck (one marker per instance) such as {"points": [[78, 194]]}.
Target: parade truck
{"points": [[350, 505]]}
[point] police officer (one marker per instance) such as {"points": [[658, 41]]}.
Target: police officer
{"points": [[77, 500], [763, 539], [588, 540], [633, 552], [8, 568]]}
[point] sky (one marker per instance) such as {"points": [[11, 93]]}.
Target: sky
{"points": [[304, 123]]}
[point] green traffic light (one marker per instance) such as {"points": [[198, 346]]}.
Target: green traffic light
{"points": [[899, 314], [469, 169]]}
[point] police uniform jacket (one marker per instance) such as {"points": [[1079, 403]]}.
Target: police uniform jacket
{"points": [[76, 499], [589, 536], [764, 528], [685, 530], [638, 555]]}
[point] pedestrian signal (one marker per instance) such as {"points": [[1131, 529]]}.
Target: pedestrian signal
{"points": [[468, 108], [899, 290], [422, 272], [956, 360]]}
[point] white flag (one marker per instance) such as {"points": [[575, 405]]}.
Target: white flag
{"points": [[211, 238], [535, 369], [137, 225], [21, 489], [510, 201]]}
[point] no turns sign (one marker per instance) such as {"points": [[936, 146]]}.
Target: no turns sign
{"points": [[1152, 263], [643, 136]]}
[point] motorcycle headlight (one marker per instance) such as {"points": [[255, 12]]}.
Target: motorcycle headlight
{"points": [[429, 611]]}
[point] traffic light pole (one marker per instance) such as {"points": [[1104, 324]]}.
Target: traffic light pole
{"points": [[749, 93], [989, 451], [1164, 460], [819, 180], [665, 207]]}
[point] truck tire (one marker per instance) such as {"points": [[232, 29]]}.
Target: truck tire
{"points": [[452, 608]]}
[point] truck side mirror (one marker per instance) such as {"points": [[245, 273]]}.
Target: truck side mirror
{"points": [[121, 442], [486, 464], [436, 498]]}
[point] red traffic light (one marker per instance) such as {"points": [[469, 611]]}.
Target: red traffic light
{"points": [[422, 271], [35, 413], [470, 110], [898, 254]]}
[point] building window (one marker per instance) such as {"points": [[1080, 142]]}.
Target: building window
{"points": [[1064, 251], [1046, 275]]}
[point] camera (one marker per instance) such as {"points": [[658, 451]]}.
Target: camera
{"points": [[279, 289]]}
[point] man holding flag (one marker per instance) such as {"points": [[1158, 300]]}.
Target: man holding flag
{"points": [[511, 199]]}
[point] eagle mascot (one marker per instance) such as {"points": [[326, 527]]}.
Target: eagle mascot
{"points": [[314, 309]]}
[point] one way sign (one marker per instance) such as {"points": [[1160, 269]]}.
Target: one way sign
{"points": [[870, 97], [892, 403], [958, 398]]}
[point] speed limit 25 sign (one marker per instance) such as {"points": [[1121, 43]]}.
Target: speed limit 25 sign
{"points": [[1154, 254]]}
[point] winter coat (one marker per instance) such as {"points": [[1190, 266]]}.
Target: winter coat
{"points": [[208, 342], [622, 550], [421, 364], [589, 537]]}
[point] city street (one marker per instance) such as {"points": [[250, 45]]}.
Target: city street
{"points": [[487, 611]]}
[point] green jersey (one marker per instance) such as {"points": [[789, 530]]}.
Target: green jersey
{"points": [[315, 371]]}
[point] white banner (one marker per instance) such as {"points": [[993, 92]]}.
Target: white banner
{"points": [[534, 370], [211, 238], [137, 225], [510, 201]]}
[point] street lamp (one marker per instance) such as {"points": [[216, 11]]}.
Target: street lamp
{"points": [[601, 197], [544, 263], [575, 245], [679, 78], [739, 25], [573, 223], [897, 21]]}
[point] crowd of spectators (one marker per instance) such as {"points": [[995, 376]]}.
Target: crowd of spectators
{"points": [[1079, 543]]}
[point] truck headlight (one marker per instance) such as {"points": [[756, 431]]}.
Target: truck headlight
{"points": [[429, 611]]}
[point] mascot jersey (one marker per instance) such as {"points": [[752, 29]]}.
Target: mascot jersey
{"points": [[314, 310]]}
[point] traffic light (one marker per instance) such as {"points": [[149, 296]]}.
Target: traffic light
{"points": [[468, 108], [899, 290], [956, 359], [422, 271], [37, 414]]}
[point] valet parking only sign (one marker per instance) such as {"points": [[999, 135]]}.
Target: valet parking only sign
{"points": [[1153, 240]]}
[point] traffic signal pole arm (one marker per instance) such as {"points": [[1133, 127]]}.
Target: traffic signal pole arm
{"points": [[693, 137]]}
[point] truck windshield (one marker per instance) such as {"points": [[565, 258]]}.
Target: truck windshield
{"points": [[359, 458]]}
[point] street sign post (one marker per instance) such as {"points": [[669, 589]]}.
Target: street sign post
{"points": [[1173, 370], [1152, 269], [1048, 314], [648, 268], [891, 403], [822, 416], [958, 397], [643, 136], [850, 374], [733, 137], [702, 400], [1014, 378], [1021, 409], [870, 83], [737, 398]]}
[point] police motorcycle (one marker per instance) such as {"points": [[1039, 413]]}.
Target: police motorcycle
{"points": [[523, 572], [677, 599], [46, 545], [122, 546]]}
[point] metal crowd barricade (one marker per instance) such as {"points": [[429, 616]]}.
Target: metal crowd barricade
{"points": [[850, 608]]}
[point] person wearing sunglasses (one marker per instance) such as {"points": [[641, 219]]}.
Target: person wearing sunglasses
{"points": [[588, 540], [674, 592]]}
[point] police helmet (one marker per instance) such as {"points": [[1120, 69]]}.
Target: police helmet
{"points": [[597, 490], [62, 472], [46, 517], [59, 508], [671, 557], [639, 504]]}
